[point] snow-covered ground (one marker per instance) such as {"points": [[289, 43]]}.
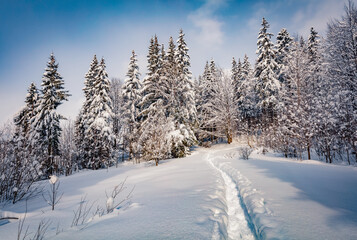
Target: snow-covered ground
{"points": [[211, 194]]}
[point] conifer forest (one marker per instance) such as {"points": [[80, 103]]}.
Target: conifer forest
{"points": [[297, 99]]}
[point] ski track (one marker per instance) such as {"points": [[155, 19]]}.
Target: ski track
{"points": [[237, 225]]}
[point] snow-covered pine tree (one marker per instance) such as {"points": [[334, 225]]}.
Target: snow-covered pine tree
{"points": [[116, 96], [81, 125], [341, 62], [132, 97], [236, 72], [151, 91], [247, 101], [293, 131], [166, 80], [186, 117], [171, 77], [283, 42], [267, 83], [22, 120], [100, 116], [209, 88], [320, 109], [45, 125], [24, 170]]}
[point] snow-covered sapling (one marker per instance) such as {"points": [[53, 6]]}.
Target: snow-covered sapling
{"points": [[53, 195], [245, 152], [111, 204]]}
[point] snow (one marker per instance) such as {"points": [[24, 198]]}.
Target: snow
{"points": [[299, 199], [53, 179], [211, 194]]}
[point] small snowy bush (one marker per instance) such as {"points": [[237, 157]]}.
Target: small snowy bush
{"points": [[245, 152], [118, 190]]}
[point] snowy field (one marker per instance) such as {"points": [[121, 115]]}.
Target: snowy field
{"points": [[212, 194]]}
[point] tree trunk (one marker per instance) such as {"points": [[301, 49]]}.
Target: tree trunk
{"points": [[229, 137], [308, 152], [348, 157]]}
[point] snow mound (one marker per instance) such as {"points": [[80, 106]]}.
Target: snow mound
{"points": [[53, 179]]}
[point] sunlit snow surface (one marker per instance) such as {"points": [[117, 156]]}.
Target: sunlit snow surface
{"points": [[211, 194]]}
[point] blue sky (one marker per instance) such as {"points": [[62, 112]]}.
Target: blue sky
{"points": [[76, 30]]}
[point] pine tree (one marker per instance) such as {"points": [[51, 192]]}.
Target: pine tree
{"points": [[116, 96], [341, 62], [236, 78], [318, 95], [132, 97], [293, 130], [24, 169], [186, 117], [83, 143], [45, 127], [283, 45], [100, 116], [267, 84], [151, 90], [209, 85], [246, 99]]}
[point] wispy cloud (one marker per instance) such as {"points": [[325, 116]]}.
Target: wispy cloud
{"points": [[317, 14], [209, 28]]}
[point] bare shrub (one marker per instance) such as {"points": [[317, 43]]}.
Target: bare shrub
{"points": [[53, 195], [245, 152], [111, 199], [81, 214]]}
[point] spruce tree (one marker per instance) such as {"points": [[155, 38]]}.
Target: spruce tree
{"points": [[209, 85], [283, 45], [46, 128], [341, 61], [82, 141], [132, 97], [151, 90], [186, 117], [267, 84], [293, 130], [24, 169], [100, 116]]}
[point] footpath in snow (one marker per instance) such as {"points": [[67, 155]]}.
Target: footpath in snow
{"points": [[211, 194], [291, 199]]}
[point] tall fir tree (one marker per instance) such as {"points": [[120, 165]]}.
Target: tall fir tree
{"points": [[100, 116], [267, 83], [293, 130], [151, 90], [186, 118], [341, 61], [283, 45], [132, 97], [236, 72], [24, 169], [247, 98], [209, 85], [46, 128], [83, 143]]}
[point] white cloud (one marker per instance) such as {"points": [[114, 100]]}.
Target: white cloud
{"points": [[209, 27], [317, 14]]}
